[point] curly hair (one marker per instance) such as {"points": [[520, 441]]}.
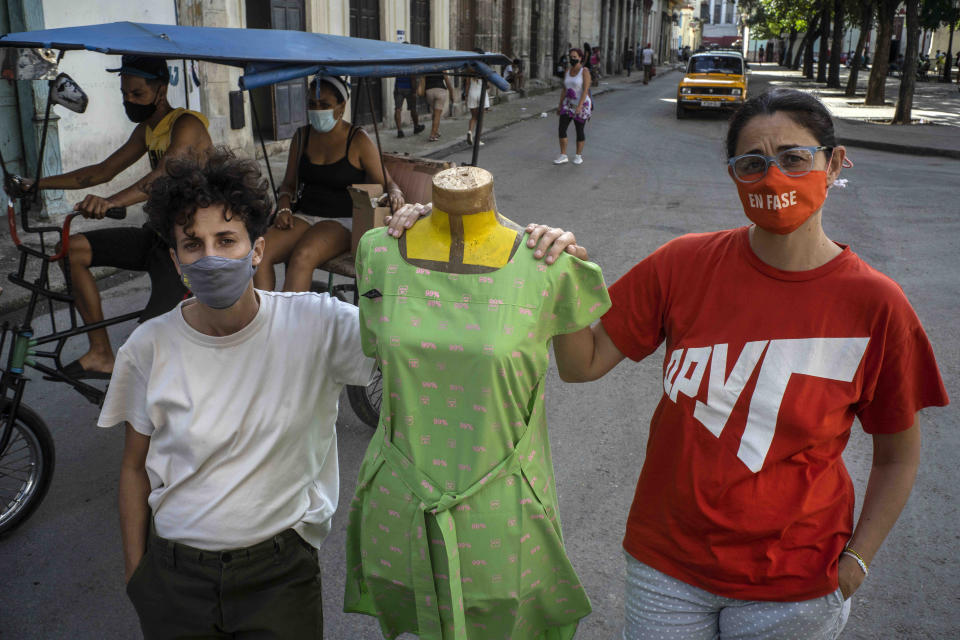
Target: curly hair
{"points": [[219, 178]]}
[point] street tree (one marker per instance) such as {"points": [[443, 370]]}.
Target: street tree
{"points": [[876, 85], [839, 12], [937, 13], [908, 75], [866, 9], [772, 18], [826, 7]]}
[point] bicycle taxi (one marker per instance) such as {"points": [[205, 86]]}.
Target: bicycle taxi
{"points": [[266, 57]]}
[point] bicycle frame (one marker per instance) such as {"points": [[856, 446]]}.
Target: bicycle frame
{"points": [[23, 349]]}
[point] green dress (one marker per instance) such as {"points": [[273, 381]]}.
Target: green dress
{"points": [[453, 532]]}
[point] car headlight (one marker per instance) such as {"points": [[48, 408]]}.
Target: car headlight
{"points": [[686, 90], [736, 92]]}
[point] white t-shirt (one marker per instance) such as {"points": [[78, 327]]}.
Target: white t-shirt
{"points": [[647, 56], [242, 427]]}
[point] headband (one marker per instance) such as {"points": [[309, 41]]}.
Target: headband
{"points": [[337, 83]]}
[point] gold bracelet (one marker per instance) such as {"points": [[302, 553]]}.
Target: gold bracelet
{"points": [[848, 551]]}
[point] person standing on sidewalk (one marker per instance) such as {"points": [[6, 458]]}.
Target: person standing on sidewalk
{"points": [[647, 59], [575, 104], [628, 59], [437, 88], [229, 478]]}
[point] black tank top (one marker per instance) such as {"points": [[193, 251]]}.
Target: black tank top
{"points": [[325, 185]]}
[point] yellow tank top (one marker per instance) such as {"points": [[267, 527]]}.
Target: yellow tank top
{"points": [[158, 138]]}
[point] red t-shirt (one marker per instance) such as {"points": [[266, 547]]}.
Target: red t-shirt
{"points": [[744, 492]]}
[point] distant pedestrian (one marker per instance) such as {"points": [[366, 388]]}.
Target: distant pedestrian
{"points": [[628, 59], [473, 89], [575, 104], [760, 54], [647, 59], [596, 65], [405, 90], [437, 88]]}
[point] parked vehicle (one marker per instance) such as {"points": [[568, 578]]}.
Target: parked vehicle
{"points": [[713, 81]]}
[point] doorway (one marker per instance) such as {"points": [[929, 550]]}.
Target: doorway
{"points": [[365, 23], [281, 106]]}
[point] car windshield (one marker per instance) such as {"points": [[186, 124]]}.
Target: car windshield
{"points": [[715, 64]]}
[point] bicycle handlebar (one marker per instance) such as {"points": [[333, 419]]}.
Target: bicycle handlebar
{"points": [[114, 213]]}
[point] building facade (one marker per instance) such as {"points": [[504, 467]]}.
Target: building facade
{"points": [[538, 32], [721, 22]]}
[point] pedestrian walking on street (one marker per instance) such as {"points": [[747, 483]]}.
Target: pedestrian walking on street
{"points": [[405, 90], [647, 59], [742, 520], [575, 105], [628, 59], [438, 90], [473, 90], [229, 477], [760, 54]]}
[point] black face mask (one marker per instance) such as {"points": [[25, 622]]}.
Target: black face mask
{"points": [[574, 62], [139, 112]]}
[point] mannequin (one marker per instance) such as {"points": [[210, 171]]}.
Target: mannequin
{"points": [[453, 531], [464, 233]]}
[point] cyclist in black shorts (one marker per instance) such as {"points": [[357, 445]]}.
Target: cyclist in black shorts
{"points": [[161, 132]]}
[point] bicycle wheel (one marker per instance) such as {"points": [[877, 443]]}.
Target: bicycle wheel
{"points": [[366, 401], [26, 467]]}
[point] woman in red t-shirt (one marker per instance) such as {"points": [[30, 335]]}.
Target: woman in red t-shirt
{"points": [[777, 338]]}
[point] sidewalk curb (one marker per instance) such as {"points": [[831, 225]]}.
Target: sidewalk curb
{"points": [[454, 146], [893, 147]]}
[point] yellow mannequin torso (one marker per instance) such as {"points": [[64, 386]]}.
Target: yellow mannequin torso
{"points": [[464, 233]]}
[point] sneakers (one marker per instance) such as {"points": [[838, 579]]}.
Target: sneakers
{"points": [[561, 159], [400, 133], [418, 128], [470, 139], [578, 159]]}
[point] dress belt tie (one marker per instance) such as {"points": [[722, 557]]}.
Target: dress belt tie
{"points": [[437, 503]]}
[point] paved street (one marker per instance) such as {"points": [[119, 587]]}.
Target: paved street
{"points": [[646, 179]]}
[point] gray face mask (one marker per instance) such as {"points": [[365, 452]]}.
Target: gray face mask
{"points": [[218, 282]]}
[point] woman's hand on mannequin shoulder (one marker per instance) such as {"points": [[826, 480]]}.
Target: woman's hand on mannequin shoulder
{"points": [[405, 217], [550, 242]]}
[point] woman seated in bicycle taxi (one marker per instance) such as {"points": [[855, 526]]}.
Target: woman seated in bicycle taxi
{"points": [[314, 208]]}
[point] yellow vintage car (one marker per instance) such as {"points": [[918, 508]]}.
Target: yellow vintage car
{"points": [[713, 80]]}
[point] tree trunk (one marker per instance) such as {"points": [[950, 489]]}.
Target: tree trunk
{"points": [[824, 41], [785, 56], [808, 50], [946, 67], [866, 24], [876, 86], [909, 78], [805, 43], [833, 77]]}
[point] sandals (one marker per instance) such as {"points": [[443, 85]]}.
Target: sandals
{"points": [[434, 138]]}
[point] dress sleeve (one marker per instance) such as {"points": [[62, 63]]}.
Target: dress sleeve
{"points": [[901, 376], [365, 283], [579, 295], [126, 399], [635, 320]]}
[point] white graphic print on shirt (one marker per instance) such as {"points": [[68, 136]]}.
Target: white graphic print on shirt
{"points": [[830, 358]]}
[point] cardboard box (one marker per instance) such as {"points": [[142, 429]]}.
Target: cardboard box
{"points": [[369, 210]]}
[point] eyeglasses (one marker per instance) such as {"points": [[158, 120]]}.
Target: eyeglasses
{"points": [[794, 162]]}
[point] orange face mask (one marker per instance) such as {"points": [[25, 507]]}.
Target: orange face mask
{"points": [[780, 204]]}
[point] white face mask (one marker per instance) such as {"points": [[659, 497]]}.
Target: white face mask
{"points": [[322, 120]]}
